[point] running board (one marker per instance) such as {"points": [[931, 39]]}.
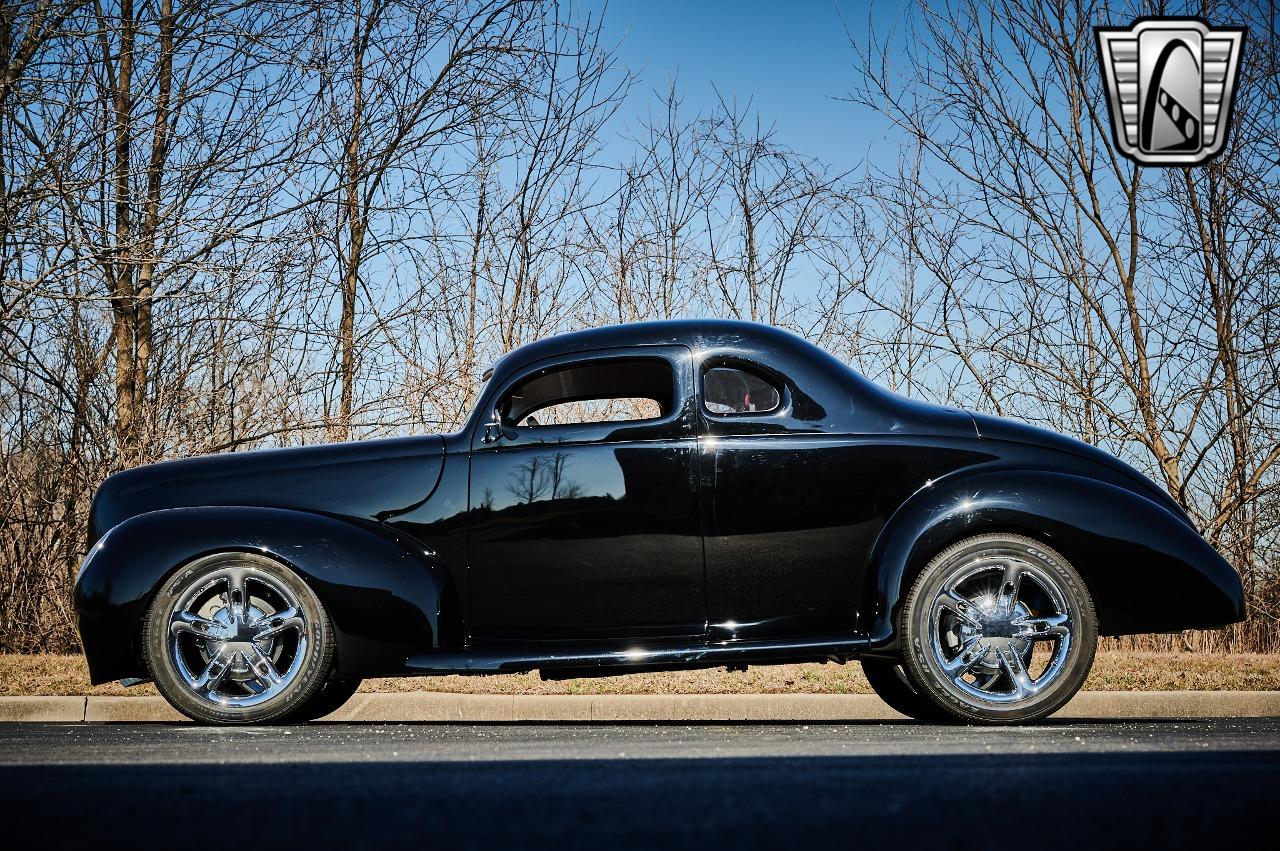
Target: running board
{"points": [[609, 660]]}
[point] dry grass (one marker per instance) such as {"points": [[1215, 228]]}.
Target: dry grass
{"points": [[1113, 670]]}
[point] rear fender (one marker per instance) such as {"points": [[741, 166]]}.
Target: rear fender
{"points": [[1147, 569], [382, 591]]}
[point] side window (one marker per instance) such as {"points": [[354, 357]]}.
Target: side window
{"points": [[733, 390], [593, 392]]}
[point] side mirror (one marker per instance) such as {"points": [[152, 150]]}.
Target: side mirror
{"points": [[495, 430]]}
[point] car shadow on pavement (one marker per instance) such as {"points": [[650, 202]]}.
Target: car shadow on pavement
{"points": [[951, 800]]}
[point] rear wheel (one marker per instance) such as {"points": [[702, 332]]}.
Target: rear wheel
{"points": [[236, 638], [998, 629], [889, 682]]}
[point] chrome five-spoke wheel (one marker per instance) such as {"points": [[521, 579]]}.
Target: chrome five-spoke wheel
{"points": [[999, 628], [237, 637], [983, 631]]}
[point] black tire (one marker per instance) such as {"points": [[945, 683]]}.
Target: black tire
{"points": [[890, 684], [1035, 590], [238, 680], [331, 697]]}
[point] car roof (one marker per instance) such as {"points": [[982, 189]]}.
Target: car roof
{"points": [[828, 394], [694, 333]]}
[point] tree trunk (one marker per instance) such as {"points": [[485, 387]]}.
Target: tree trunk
{"points": [[120, 267]]}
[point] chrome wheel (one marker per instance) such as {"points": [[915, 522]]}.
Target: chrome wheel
{"points": [[1001, 625], [237, 636]]}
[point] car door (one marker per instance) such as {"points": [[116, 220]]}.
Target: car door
{"points": [[585, 521]]}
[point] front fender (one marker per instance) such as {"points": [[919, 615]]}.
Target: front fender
{"points": [[1147, 569], [382, 592]]}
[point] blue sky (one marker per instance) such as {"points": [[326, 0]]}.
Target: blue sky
{"points": [[792, 60]]}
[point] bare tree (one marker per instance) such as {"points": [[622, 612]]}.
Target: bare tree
{"points": [[151, 166], [518, 201], [651, 235], [775, 210], [398, 82]]}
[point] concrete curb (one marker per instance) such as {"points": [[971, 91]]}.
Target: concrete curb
{"points": [[42, 708], [436, 707]]}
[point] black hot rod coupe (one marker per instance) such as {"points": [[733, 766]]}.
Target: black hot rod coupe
{"points": [[646, 497]]}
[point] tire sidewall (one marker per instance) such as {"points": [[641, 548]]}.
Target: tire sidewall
{"points": [[917, 648], [308, 681]]}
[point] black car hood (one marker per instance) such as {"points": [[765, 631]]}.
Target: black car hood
{"points": [[999, 428], [370, 479]]}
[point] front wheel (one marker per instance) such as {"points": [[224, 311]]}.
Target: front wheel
{"points": [[236, 638], [998, 629]]}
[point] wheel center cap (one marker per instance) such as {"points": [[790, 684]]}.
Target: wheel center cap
{"points": [[997, 624], [997, 627], [237, 633], [1000, 632]]}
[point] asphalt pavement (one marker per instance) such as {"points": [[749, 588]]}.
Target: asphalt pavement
{"points": [[1165, 783]]}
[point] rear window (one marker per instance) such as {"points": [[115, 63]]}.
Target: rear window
{"points": [[735, 390]]}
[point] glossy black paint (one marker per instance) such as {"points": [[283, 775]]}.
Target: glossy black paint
{"points": [[382, 591], [692, 540], [371, 480], [589, 531], [569, 661], [1147, 569]]}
